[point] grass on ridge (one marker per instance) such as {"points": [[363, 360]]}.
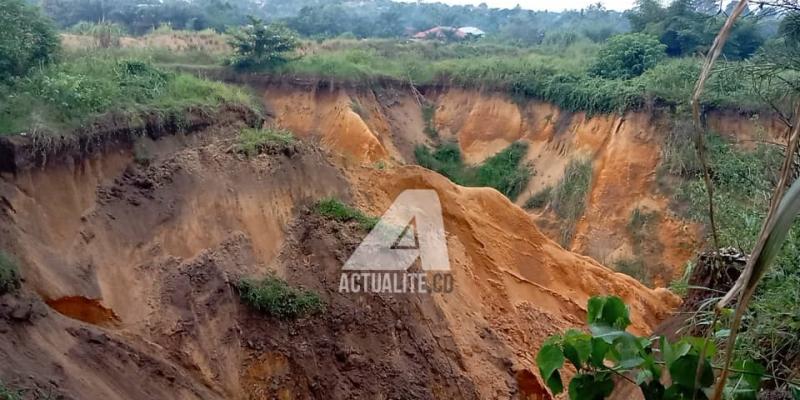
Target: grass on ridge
{"points": [[61, 97]]}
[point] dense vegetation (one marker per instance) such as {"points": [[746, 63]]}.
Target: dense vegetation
{"points": [[743, 182], [504, 171]]}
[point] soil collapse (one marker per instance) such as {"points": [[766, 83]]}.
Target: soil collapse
{"points": [[128, 266]]}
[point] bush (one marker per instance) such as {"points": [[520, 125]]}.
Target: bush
{"points": [[9, 274], [273, 296], [261, 47], [504, 171], [539, 199], [628, 55], [338, 211], [252, 141], [27, 39]]}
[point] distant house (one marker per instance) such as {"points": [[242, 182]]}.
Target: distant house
{"points": [[445, 32]]}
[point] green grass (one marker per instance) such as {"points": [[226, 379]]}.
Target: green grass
{"points": [[743, 182], [273, 296], [334, 209], [252, 141], [568, 198], [505, 171], [539, 199], [62, 97], [9, 274]]}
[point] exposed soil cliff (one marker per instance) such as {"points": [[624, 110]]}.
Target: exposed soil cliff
{"points": [[128, 265], [624, 151]]}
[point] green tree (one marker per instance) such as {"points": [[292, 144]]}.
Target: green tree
{"points": [[27, 39], [628, 55], [260, 46]]}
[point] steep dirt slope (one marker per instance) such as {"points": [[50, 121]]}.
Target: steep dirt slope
{"points": [[624, 151], [136, 262]]}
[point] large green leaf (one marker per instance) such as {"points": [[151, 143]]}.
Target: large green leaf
{"points": [[549, 360], [608, 311], [744, 385], [590, 387], [599, 349], [684, 370], [577, 347]]}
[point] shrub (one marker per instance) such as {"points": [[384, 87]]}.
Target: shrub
{"points": [[252, 141], [273, 296], [569, 196], [9, 274], [27, 39], [334, 209], [504, 171], [628, 55], [539, 199], [261, 47]]}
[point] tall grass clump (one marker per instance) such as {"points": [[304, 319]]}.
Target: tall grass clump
{"points": [[275, 297], [570, 194], [334, 209], [252, 141], [9, 274]]}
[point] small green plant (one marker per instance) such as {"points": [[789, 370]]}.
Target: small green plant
{"points": [[667, 371], [253, 141], [9, 274], [273, 296], [336, 210], [7, 393], [539, 199]]}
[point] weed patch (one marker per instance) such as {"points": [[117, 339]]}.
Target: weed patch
{"points": [[336, 210], [273, 296], [9, 274], [428, 114], [253, 141]]}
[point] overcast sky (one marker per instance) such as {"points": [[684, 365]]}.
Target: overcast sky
{"points": [[552, 5]]}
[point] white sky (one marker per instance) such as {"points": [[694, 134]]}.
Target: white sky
{"points": [[552, 5]]}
